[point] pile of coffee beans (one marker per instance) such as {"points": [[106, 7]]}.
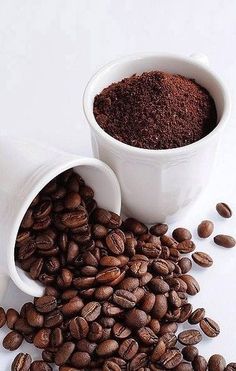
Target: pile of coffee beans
{"points": [[115, 292], [156, 110]]}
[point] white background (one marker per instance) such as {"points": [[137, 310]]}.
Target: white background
{"points": [[48, 51]]}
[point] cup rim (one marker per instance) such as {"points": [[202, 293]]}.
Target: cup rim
{"points": [[68, 164], [154, 152]]}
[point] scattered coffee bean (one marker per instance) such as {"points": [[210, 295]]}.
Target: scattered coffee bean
{"points": [[210, 327], [224, 210], [159, 229], [12, 341], [216, 363], [171, 359], [2, 317], [230, 367], [40, 366], [205, 229], [190, 352], [224, 240], [199, 363], [21, 362], [181, 234], [202, 259], [190, 337], [197, 316]]}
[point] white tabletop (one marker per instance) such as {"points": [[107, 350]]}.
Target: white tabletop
{"points": [[48, 51]]}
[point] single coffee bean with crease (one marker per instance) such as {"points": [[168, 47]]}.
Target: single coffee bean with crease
{"points": [[21, 362], [181, 234], [209, 327], [40, 366], [190, 337], [190, 352], [225, 240], [216, 363], [199, 363], [202, 259], [3, 317], [224, 210]]}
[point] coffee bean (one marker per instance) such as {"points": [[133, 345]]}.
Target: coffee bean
{"points": [[86, 346], [73, 307], [21, 325], [91, 311], [34, 318], [74, 219], [224, 240], [95, 332], [79, 328], [161, 267], [190, 352], [107, 348], [21, 362], [42, 338], [40, 366], [147, 302], [185, 265], [56, 338], [197, 316], [136, 318], [147, 336], [184, 366], [209, 327], [115, 243], [202, 259], [72, 200], [111, 310], [120, 331], [111, 366], [171, 327], [124, 298], [216, 363], [190, 337], [12, 315], [64, 353], [45, 304], [80, 359], [12, 340], [181, 234], [103, 293], [139, 361], [160, 307], [128, 349], [192, 285], [129, 284], [2, 317], [109, 261], [224, 210], [83, 282], [171, 359], [199, 363], [231, 367], [205, 229], [159, 286], [108, 275], [159, 229], [186, 246]]}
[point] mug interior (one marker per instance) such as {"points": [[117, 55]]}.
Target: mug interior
{"points": [[126, 67]]}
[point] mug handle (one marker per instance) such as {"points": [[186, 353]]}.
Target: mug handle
{"points": [[201, 59], [4, 281]]}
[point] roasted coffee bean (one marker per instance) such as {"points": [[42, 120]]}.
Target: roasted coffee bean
{"points": [[21, 362], [174, 299], [128, 349], [12, 340], [159, 229], [34, 318], [103, 293], [186, 246], [79, 328], [171, 359], [86, 346], [224, 210], [231, 367], [108, 275], [209, 327], [224, 240], [169, 339], [12, 316], [56, 338], [171, 327], [65, 278], [190, 337], [53, 319], [197, 316], [160, 307], [74, 219], [73, 307], [2, 317], [111, 366], [22, 326], [159, 286], [83, 282], [115, 243], [91, 311], [202, 259], [159, 350], [216, 363], [192, 285], [151, 250], [109, 261], [120, 331], [135, 226], [124, 299], [64, 353], [136, 318], [72, 200], [181, 234], [111, 310], [45, 304], [107, 348], [36, 268], [147, 336], [139, 361], [42, 338], [102, 216], [147, 302], [95, 332], [80, 359], [138, 268], [185, 265], [40, 366], [199, 363], [190, 352], [161, 267], [205, 229]]}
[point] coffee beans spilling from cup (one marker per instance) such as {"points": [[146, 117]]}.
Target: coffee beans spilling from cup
{"points": [[115, 291]]}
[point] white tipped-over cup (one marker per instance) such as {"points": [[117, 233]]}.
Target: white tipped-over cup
{"points": [[158, 185], [25, 168]]}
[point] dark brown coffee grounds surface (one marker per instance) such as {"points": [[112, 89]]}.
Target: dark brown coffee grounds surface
{"points": [[156, 110]]}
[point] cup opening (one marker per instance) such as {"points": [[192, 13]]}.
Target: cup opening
{"points": [[109, 197], [127, 66]]}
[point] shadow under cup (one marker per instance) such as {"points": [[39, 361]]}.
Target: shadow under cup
{"points": [[158, 185]]}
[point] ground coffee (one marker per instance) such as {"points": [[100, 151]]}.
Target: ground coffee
{"points": [[156, 110]]}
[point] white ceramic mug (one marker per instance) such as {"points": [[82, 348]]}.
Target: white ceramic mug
{"points": [[25, 168], [158, 185]]}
